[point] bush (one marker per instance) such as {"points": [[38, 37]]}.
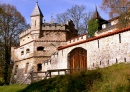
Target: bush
{"points": [[78, 82]]}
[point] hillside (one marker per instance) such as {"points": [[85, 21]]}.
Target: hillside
{"points": [[114, 78]]}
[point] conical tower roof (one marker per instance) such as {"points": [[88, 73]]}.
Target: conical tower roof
{"points": [[36, 11], [96, 15]]}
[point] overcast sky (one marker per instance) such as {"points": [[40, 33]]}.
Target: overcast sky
{"points": [[52, 7]]}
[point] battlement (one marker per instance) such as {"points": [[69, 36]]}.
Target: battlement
{"points": [[53, 26], [77, 39], [24, 33]]}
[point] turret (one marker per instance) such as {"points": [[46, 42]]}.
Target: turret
{"points": [[36, 20]]}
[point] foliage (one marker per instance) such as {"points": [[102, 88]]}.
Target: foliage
{"points": [[93, 26], [11, 24], [78, 82], [78, 15], [115, 78], [115, 7], [118, 8]]}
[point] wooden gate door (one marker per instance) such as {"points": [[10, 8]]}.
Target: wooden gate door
{"points": [[78, 59]]}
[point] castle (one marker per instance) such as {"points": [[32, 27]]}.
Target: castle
{"points": [[47, 46]]}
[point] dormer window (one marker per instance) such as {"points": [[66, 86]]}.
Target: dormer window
{"points": [[22, 52], [27, 50], [40, 48]]}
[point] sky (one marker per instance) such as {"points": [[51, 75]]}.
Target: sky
{"points": [[52, 7]]}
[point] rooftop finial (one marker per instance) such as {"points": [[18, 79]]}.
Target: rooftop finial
{"points": [[96, 8], [37, 1], [51, 18]]}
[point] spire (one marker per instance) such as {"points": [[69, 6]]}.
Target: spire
{"points": [[36, 11], [96, 14]]}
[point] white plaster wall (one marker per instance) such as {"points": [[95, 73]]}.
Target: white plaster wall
{"points": [[105, 32], [114, 22], [26, 39], [17, 53], [109, 51]]}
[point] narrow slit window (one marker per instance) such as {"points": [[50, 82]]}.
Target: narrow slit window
{"points": [[119, 38], [125, 59], [93, 64], [116, 60], [98, 43], [108, 62], [35, 22], [100, 63]]}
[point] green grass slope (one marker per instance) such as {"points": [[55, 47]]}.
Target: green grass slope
{"points": [[114, 78], [12, 88]]}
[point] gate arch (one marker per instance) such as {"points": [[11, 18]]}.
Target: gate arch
{"points": [[77, 58]]}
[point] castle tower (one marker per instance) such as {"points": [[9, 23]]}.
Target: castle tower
{"points": [[97, 16], [36, 21]]}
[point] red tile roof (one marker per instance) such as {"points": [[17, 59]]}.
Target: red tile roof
{"points": [[95, 38]]}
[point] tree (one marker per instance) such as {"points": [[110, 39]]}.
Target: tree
{"points": [[117, 8], [62, 18], [78, 15], [93, 26], [11, 24]]}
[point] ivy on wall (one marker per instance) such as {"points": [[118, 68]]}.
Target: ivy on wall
{"points": [[93, 26]]}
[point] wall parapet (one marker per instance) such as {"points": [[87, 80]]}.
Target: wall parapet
{"points": [[25, 33], [96, 37], [77, 39]]}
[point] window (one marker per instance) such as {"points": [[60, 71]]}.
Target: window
{"points": [[22, 52], [27, 50], [100, 63], [98, 43], [35, 22], [93, 64], [16, 69], [119, 38], [40, 48], [39, 67], [116, 60], [108, 62], [125, 59], [26, 68]]}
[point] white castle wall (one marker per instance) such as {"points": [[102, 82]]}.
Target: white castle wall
{"points": [[101, 52], [77, 39]]}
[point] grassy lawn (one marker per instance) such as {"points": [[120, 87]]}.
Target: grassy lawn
{"points": [[12, 88], [115, 78]]}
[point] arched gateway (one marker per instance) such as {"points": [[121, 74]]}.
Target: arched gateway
{"points": [[77, 59]]}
